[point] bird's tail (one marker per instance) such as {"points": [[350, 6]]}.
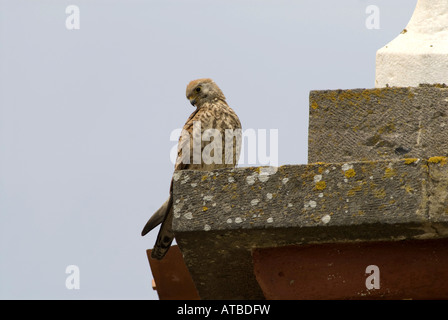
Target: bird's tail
{"points": [[165, 236], [158, 216]]}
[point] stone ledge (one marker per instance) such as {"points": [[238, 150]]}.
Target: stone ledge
{"points": [[220, 216]]}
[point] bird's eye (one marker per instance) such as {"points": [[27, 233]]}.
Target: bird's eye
{"points": [[198, 89]]}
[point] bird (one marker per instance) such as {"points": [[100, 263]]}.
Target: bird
{"points": [[212, 117]]}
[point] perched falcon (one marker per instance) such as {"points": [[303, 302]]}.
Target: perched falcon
{"points": [[212, 124]]}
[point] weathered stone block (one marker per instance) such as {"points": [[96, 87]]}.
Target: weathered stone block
{"points": [[220, 216], [378, 124]]}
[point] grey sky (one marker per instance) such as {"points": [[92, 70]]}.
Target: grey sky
{"points": [[86, 116]]}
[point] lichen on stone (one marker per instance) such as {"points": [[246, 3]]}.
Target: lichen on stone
{"points": [[441, 160], [350, 173]]}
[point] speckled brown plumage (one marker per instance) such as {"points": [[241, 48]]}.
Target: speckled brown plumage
{"points": [[212, 119]]}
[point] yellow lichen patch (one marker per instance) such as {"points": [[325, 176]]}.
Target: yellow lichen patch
{"points": [[314, 105], [350, 173], [441, 160], [353, 190], [408, 189], [410, 160], [389, 172], [257, 170], [368, 93], [204, 208], [379, 193], [308, 175], [204, 177], [321, 185], [348, 95]]}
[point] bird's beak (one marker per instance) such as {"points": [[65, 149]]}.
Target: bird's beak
{"points": [[192, 101]]}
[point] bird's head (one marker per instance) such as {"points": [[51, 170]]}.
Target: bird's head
{"points": [[201, 91]]}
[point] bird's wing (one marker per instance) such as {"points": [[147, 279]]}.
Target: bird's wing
{"points": [[158, 216], [186, 143]]}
